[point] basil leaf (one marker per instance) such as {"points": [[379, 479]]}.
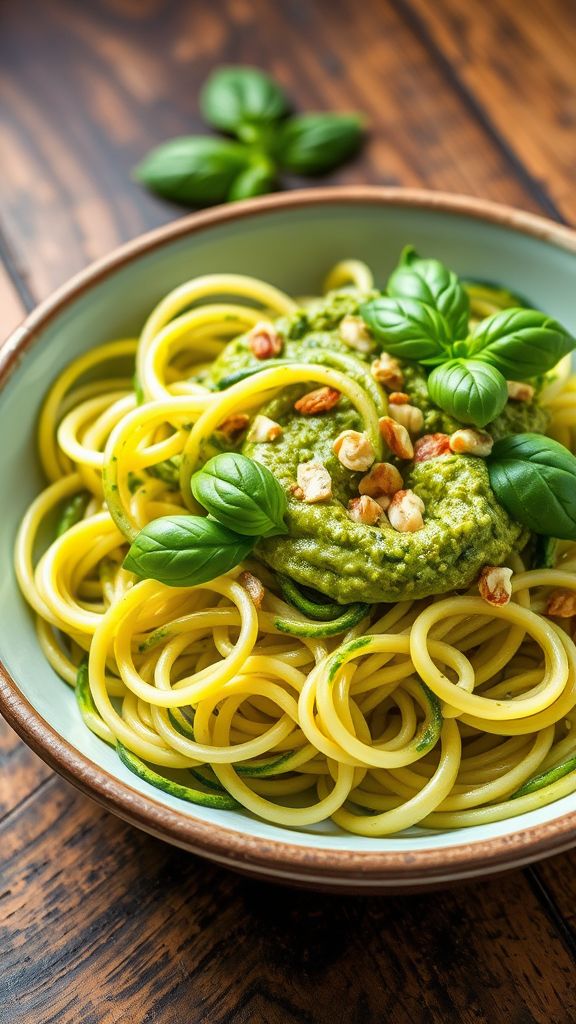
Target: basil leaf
{"points": [[470, 391], [408, 328], [183, 551], [431, 282], [238, 96], [534, 478], [313, 143], [193, 169], [256, 180], [521, 343], [241, 494]]}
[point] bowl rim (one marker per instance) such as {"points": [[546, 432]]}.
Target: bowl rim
{"points": [[271, 857]]}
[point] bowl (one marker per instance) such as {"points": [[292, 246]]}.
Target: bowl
{"points": [[289, 240]]}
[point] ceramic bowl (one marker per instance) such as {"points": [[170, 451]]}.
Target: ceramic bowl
{"points": [[290, 240]]}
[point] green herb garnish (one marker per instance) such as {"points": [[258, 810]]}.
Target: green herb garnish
{"points": [[534, 478], [242, 495], [470, 391]]}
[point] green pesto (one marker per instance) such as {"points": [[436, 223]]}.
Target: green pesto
{"points": [[465, 527]]}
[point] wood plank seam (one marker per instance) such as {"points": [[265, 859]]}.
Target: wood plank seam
{"points": [[16, 274]]}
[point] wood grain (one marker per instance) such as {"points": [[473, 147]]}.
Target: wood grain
{"points": [[518, 64], [122, 927], [88, 88], [100, 923]]}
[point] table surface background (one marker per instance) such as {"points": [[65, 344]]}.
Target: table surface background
{"points": [[100, 923]]}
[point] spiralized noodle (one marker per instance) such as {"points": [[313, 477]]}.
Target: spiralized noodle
{"points": [[439, 713]]}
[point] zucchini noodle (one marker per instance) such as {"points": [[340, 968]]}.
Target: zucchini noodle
{"points": [[443, 713]]}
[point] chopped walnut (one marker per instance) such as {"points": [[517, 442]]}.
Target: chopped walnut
{"points": [[254, 586], [386, 370], [405, 512], [494, 584], [355, 333], [264, 341], [365, 510], [315, 482], [431, 446], [561, 604], [520, 392], [234, 426], [397, 437], [398, 398], [383, 479], [408, 415], [264, 429], [471, 442], [354, 450], [320, 400]]}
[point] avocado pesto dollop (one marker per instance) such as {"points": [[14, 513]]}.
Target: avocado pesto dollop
{"points": [[465, 527]]}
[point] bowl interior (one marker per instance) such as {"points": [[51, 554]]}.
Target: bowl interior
{"points": [[292, 248]]}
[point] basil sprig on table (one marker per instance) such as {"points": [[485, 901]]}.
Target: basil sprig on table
{"points": [[425, 317], [245, 502], [249, 104], [534, 478]]}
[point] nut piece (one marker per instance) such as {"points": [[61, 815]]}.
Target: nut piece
{"points": [[494, 584], [519, 392], [431, 446], [396, 436], [354, 450], [386, 370], [405, 512], [264, 341], [264, 429], [365, 510], [561, 604], [471, 442], [408, 415], [355, 333], [320, 400], [234, 426], [315, 482], [398, 398], [382, 480], [254, 586]]}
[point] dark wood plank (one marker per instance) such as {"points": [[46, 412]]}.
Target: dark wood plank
{"points": [[559, 877], [88, 88], [102, 924], [517, 61]]}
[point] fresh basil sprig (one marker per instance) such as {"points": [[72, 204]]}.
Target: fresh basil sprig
{"points": [[183, 551], [434, 284], [247, 103], [470, 391], [409, 329], [241, 494], [521, 343], [534, 478]]}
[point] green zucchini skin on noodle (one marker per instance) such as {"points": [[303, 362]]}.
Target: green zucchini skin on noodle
{"points": [[192, 796], [546, 778], [354, 614]]}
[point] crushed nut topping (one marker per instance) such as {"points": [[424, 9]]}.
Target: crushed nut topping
{"points": [[520, 392], [494, 584], [320, 400], [431, 446], [471, 442], [264, 341], [354, 450], [355, 333], [315, 482], [396, 437], [408, 415], [405, 512], [264, 429], [383, 479], [254, 586], [398, 398], [386, 370], [365, 510], [234, 426], [561, 604]]}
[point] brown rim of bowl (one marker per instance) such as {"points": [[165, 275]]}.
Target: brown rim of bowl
{"points": [[274, 857]]}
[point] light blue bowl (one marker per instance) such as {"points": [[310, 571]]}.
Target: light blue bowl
{"points": [[290, 240]]}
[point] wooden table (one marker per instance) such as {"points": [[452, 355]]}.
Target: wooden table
{"points": [[102, 924]]}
